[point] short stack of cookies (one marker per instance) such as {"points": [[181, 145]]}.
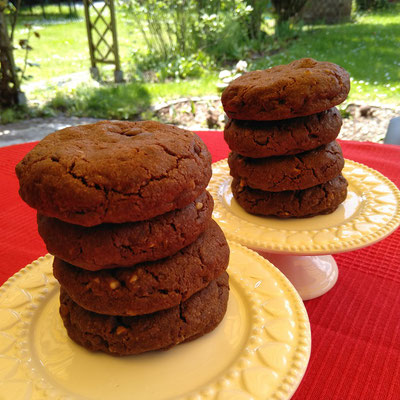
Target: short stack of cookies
{"points": [[123, 208], [282, 128]]}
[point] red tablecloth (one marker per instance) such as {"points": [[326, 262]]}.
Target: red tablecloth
{"points": [[355, 326]]}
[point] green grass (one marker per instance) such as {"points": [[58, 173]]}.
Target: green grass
{"points": [[185, 88], [56, 52], [127, 101], [368, 48], [108, 102], [63, 48]]}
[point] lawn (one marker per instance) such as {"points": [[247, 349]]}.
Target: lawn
{"points": [[62, 48], [368, 48]]}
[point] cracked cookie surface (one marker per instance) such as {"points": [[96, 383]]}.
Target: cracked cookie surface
{"points": [[198, 315], [303, 87], [114, 171], [259, 139], [294, 172], [150, 286], [123, 245], [317, 200]]}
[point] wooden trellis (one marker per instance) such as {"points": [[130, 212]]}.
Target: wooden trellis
{"points": [[102, 36]]}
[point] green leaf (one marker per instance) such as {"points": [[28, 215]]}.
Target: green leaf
{"points": [[3, 4]]}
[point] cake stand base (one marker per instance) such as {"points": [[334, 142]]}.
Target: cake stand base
{"points": [[370, 212], [312, 276]]}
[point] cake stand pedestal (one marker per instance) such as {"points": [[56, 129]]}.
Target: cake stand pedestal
{"points": [[312, 276], [302, 248]]}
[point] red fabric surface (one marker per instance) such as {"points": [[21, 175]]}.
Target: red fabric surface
{"points": [[355, 326]]}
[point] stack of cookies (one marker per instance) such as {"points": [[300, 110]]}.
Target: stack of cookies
{"points": [[123, 208], [282, 128]]}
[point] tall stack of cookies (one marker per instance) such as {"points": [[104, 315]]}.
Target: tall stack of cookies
{"points": [[123, 208], [282, 128]]}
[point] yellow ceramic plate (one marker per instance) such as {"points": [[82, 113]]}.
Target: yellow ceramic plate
{"points": [[259, 351], [370, 212]]}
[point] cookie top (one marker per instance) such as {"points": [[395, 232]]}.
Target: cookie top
{"points": [[150, 286], [317, 200], [259, 139], [198, 315], [114, 171], [299, 171], [123, 245], [303, 87]]}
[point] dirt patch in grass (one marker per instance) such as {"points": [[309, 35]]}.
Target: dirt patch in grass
{"points": [[361, 122]]}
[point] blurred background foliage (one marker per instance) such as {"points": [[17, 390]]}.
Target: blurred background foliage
{"points": [[186, 37], [183, 48]]}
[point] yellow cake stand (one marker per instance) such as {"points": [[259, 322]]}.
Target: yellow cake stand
{"points": [[301, 248], [260, 350]]}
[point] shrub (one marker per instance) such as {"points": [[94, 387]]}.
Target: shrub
{"points": [[364, 5], [185, 37], [171, 66], [109, 102]]}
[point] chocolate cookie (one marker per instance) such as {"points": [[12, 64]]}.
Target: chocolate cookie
{"points": [[114, 171], [321, 199], [259, 139], [122, 245], [115, 335], [300, 171], [150, 286], [303, 87]]}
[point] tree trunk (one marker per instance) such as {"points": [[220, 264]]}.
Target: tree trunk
{"points": [[327, 11], [9, 84], [254, 26], [285, 9]]}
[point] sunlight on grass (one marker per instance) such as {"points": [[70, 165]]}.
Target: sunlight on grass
{"points": [[108, 102], [368, 48], [125, 101], [185, 88], [63, 46]]}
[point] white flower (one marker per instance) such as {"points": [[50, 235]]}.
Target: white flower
{"points": [[224, 74], [241, 66]]}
